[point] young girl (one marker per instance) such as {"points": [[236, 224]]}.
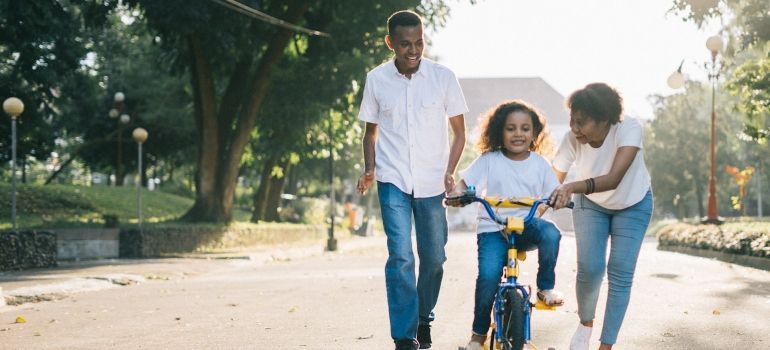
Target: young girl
{"points": [[508, 167]]}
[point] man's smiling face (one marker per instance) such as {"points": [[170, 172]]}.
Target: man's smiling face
{"points": [[407, 44]]}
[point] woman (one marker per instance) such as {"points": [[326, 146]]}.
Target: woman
{"points": [[613, 202]]}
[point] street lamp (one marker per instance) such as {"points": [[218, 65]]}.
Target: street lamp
{"points": [[676, 80], [13, 107], [140, 135], [115, 112], [331, 242], [714, 45]]}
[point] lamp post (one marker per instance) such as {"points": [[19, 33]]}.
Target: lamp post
{"points": [[675, 81], [714, 45], [115, 112], [331, 243], [140, 135], [13, 107]]}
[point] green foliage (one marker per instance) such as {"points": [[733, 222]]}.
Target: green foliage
{"points": [[751, 83], [41, 46], [749, 19], [128, 59]]}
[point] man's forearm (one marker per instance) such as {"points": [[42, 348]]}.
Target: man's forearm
{"points": [[458, 144], [368, 153]]}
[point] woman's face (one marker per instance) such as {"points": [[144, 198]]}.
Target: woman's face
{"points": [[588, 130]]}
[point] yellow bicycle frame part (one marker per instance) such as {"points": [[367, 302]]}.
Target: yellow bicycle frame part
{"points": [[512, 271], [512, 202]]}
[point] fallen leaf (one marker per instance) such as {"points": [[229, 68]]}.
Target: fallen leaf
{"points": [[21, 319], [293, 309], [370, 336], [716, 312]]}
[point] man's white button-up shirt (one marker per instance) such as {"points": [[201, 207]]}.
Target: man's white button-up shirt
{"points": [[412, 147]]}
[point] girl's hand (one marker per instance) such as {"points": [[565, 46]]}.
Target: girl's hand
{"points": [[561, 196]]}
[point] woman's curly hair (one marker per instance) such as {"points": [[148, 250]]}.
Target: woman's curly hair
{"points": [[493, 126], [597, 101]]}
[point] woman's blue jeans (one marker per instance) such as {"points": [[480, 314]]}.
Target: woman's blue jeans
{"points": [[411, 302], [539, 234], [594, 226]]}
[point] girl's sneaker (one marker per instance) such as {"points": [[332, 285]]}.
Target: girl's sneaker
{"points": [[581, 339], [551, 297], [476, 343]]}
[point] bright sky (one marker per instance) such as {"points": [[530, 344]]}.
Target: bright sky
{"points": [[631, 45]]}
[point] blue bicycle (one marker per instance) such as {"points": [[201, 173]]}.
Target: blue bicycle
{"points": [[511, 329]]}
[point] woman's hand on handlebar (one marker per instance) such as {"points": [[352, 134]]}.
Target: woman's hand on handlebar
{"points": [[560, 197]]}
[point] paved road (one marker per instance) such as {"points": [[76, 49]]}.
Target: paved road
{"points": [[337, 301]]}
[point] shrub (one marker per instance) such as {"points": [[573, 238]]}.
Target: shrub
{"points": [[736, 238]]}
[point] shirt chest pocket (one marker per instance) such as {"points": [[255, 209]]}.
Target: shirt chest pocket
{"points": [[432, 104], [388, 115]]}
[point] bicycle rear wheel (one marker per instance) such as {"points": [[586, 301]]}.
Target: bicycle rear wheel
{"points": [[512, 327]]}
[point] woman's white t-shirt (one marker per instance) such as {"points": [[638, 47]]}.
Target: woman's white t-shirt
{"points": [[592, 162], [494, 174]]}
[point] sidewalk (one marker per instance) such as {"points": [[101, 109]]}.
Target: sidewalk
{"points": [[38, 285]]}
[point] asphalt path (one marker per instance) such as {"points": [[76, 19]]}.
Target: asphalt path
{"points": [[303, 298]]}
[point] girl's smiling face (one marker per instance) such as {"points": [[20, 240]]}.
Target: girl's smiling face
{"points": [[518, 134]]}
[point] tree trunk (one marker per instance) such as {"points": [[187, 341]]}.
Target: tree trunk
{"points": [[219, 157], [274, 194], [23, 164], [260, 197]]}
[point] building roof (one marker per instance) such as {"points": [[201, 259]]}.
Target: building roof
{"points": [[482, 94]]}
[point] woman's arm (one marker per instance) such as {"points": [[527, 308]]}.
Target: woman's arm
{"points": [[610, 181]]}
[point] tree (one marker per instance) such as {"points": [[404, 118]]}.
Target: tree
{"points": [[230, 59], [128, 59], [41, 45], [676, 150]]}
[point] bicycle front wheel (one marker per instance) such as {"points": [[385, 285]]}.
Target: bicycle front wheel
{"points": [[512, 327]]}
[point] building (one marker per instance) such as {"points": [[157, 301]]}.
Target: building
{"points": [[482, 94]]}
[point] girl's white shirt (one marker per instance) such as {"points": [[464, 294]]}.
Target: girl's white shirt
{"points": [[494, 174]]}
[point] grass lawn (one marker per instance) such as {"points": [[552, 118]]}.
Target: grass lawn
{"points": [[59, 206]]}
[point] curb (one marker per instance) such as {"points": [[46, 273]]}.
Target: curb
{"points": [[743, 260]]}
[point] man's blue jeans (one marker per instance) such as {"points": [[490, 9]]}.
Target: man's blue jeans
{"points": [[594, 226], [539, 234], [411, 302]]}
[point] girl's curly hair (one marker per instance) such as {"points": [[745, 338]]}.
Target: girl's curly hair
{"points": [[493, 126]]}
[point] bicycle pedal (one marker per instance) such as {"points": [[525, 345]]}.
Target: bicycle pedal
{"points": [[541, 305]]}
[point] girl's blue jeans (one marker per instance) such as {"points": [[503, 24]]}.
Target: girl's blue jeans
{"points": [[624, 229], [493, 256], [411, 300]]}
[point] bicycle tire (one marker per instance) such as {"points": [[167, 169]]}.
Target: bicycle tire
{"points": [[514, 306]]}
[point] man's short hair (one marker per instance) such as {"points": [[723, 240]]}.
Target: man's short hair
{"points": [[403, 18]]}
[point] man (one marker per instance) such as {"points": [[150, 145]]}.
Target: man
{"points": [[408, 104]]}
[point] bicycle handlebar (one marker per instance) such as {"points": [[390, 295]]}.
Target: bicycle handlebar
{"points": [[470, 196]]}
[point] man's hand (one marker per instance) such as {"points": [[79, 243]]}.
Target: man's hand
{"points": [[449, 182], [364, 181]]}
